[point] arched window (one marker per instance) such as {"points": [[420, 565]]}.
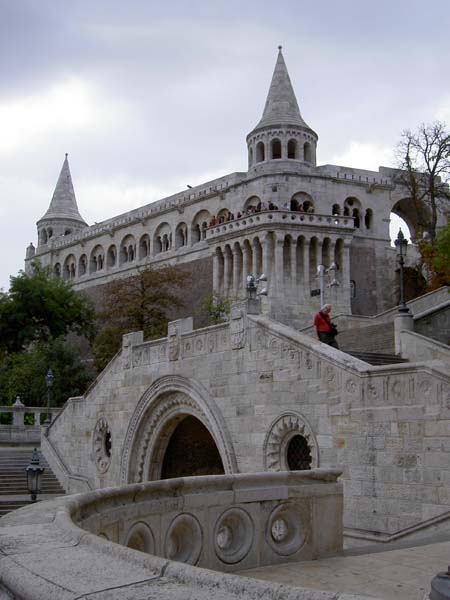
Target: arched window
{"points": [[307, 152], [352, 288], [44, 238], [96, 261], [275, 149], [82, 265], [67, 231], [111, 256], [49, 232], [292, 149], [127, 249], [336, 210], [368, 218], [356, 219], [298, 454], [260, 152], [144, 247], [181, 237]]}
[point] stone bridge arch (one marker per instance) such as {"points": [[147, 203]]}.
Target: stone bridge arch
{"points": [[161, 408]]}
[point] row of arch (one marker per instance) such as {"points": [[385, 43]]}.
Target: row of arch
{"points": [[132, 249], [289, 262], [277, 150]]}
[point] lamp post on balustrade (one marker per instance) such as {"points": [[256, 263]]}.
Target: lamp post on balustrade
{"points": [[49, 383], [401, 245]]}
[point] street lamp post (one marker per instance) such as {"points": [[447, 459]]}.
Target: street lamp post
{"points": [[253, 295], [49, 383], [34, 474], [401, 245]]}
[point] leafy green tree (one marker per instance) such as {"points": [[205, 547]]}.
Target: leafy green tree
{"points": [[39, 307], [141, 302], [23, 373], [217, 307], [436, 257]]}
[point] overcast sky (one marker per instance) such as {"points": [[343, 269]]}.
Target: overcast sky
{"points": [[149, 96]]}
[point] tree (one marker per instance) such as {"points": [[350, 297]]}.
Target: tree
{"points": [[436, 258], [39, 308], [141, 302], [217, 308], [23, 373], [424, 162]]}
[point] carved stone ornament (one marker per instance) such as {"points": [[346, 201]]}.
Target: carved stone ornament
{"points": [[281, 432], [237, 329], [174, 341], [102, 445]]}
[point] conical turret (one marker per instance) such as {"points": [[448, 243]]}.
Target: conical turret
{"points": [[282, 133], [62, 216]]}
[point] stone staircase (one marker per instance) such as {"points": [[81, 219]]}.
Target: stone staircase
{"points": [[13, 480], [374, 339], [378, 358]]}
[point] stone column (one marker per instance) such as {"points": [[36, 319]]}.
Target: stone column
{"points": [[227, 266], [236, 266], [345, 276], [279, 266], [306, 284], [402, 321], [294, 267], [246, 263], [216, 277], [266, 246]]}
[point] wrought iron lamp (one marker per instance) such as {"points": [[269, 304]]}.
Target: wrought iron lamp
{"points": [[34, 473], [401, 245]]}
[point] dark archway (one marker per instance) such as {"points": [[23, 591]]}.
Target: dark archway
{"points": [[191, 451], [298, 454]]}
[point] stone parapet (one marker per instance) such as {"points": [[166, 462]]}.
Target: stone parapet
{"points": [[224, 522], [19, 429]]}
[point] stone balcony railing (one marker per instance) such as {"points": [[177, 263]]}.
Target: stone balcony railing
{"points": [[21, 430], [222, 522], [279, 218]]}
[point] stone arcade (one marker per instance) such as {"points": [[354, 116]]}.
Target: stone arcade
{"points": [[320, 215], [254, 394]]}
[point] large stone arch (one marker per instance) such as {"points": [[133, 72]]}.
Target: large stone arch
{"points": [[155, 418], [415, 215]]}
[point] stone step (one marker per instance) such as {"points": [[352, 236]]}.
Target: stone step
{"points": [[373, 339], [376, 358]]}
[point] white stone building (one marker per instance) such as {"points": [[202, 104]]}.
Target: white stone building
{"points": [[319, 215]]}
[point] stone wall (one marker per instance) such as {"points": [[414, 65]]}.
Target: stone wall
{"points": [[255, 384]]}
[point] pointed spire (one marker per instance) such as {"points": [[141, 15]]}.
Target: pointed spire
{"points": [[64, 204], [281, 105]]}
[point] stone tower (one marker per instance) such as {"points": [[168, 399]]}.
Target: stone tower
{"points": [[281, 134], [62, 217]]}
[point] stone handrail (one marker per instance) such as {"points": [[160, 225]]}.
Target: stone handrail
{"points": [[18, 430], [278, 217], [222, 522], [416, 347]]}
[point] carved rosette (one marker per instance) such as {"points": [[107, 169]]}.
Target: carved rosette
{"points": [[281, 432], [101, 442]]}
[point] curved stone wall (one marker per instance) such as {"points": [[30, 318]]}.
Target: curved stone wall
{"points": [[64, 548]]}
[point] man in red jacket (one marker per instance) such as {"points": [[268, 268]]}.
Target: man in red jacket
{"points": [[324, 329]]}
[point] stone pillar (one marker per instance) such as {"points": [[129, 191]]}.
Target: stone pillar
{"points": [[306, 284], [267, 261], [226, 272], [236, 269], [402, 321], [279, 266], [246, 263], [345, 276], [216, 275], [294, 267]]}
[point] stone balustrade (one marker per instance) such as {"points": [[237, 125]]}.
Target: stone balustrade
{"points": [[223, 522], [17, 429], [276, 218]]}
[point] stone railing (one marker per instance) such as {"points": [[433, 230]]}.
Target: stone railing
{"points": [[416, 348], [17, 430], [279, 217], [222, 522]]}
